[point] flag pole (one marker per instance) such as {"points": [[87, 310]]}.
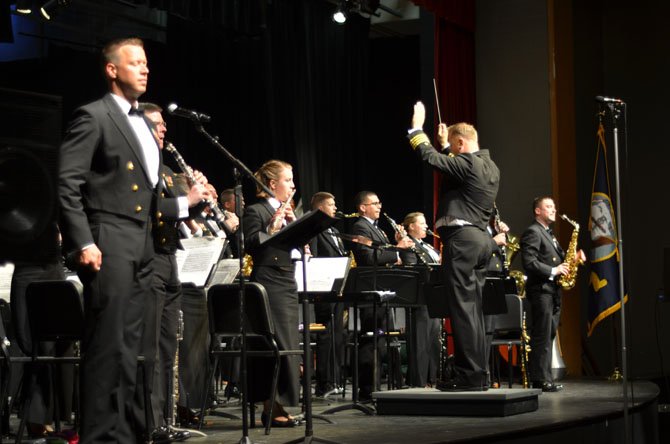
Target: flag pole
{"points": [[617, 108]]}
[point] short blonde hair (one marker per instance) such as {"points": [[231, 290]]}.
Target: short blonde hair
{"points": [[464, 130], [110, 50], [270, 170], [411, 218]]}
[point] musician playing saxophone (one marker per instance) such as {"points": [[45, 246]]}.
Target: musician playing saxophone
{"points": [[543, 262]]}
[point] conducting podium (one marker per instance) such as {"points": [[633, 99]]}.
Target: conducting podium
{"points": [[295, 236]]}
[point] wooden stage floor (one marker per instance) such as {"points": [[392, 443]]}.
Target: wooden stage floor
{"points": [[585, 411]]}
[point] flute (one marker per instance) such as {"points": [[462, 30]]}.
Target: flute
{"points": [[277, 222]]}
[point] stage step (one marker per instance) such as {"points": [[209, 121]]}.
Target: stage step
{"points": [[432, 402]]}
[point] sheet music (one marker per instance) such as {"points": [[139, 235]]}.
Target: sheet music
{"points": [[195, 261], [6, 272], [225, 273], [322, 272]]}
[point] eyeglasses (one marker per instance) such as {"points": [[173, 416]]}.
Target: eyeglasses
{"points": [[377, 204], [159, 123]]}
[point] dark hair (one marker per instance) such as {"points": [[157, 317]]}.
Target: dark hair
{"points": [[320, 197], [538, 201], [361, 197], [226, 195]]}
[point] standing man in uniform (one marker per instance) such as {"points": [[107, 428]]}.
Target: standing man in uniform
{"points": [[109, 188], [543, 262], [472, 180]]}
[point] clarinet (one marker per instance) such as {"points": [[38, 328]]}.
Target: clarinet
{"points": [[174, 394], [503, 253], [218, 213], [413, 249]]}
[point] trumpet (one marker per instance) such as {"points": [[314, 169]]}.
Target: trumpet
{"points": [[276, 223], [188, 171]]}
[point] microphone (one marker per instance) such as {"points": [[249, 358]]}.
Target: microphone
{"points": [[176, 110], [603, 99]]}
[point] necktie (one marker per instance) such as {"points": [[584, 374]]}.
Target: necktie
{"points": [[135, 112], [553, 239], [338, 241], [381, 232]]}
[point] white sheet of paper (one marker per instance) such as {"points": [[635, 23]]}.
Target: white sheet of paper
{"points": [[196, 260], [6, 272], [321, 273]]}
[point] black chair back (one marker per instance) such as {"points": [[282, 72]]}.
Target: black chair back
{"points": [[509, 324], [223, 302], [55, 311]]}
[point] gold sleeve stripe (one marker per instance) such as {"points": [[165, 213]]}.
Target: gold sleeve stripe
{"points": [[418, 140]]}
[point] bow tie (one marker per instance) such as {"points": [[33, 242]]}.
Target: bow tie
{"points": [[135, 112]]}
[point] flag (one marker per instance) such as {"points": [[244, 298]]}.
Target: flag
{"points": [[604, 296]]}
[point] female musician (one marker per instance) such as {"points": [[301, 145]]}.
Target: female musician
{"points": [[274, 269]]}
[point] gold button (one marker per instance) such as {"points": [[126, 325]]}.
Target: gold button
{"points": [[163, 241], [497, 265], [161, 223], [130, 166], [138, 208], [135, 187], [159, 214], [162, 194]]}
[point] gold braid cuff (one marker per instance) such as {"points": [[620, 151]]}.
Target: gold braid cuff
{"points": [[418, 140]]}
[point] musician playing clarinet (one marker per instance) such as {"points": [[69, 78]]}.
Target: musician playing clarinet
{"points": [[161, 322], [274, 269]]}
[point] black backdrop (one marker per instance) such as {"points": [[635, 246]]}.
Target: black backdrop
{"points": [[283, 82]]}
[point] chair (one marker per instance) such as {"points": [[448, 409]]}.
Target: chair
{"points": [[223, 304], [55, 313], [508, 330]]}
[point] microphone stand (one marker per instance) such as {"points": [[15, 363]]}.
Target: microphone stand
{"points": [[238, 167], [616, 108]]}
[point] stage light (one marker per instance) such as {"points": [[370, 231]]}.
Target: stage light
{"points": [[340, 15], [51, 6], [24, 7]]}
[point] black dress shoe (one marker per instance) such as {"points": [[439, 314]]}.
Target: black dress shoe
{"points": [[321, 389], [548, 386], [456, 385], [166, 435], [276, 423]]}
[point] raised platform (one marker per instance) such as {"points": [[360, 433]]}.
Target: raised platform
{"points": [[432, 402]]}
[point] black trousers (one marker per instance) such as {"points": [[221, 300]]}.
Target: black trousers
{"points": [[545, 313], [329, 360], [465, 256], [425, 347], [194, 362], [161, 333], [282, 290], [115, 299]]}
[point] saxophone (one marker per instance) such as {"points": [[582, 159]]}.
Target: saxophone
{"points": [[567, 281]]}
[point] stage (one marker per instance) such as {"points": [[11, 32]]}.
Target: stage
{"points": [[584, 412]]}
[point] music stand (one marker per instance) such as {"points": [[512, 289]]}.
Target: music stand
{"points": [[295, 236], [407, 283]]}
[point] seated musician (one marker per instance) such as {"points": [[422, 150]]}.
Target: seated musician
{"points": [[426, 335], [369, 208]]}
